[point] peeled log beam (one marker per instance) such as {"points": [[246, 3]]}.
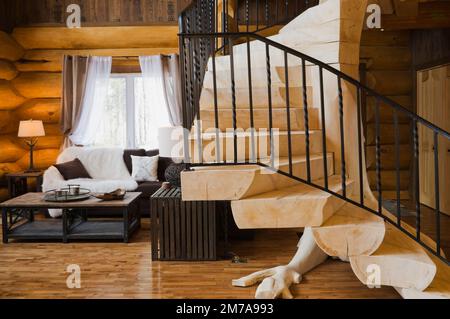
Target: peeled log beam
{"points": [[387, 134], [7, 70], [9, 97], [51, 60], [9, 48], [97, 37], [46, 110], [38, 84], [388, 180], [385, 38], [390, 82], [43, 159], [5, 118], [52, 129], [6, 168], [386, 111], [388, 156], [4, 194], [44, 142], [431, 15], [386, 58], [10, 151]]}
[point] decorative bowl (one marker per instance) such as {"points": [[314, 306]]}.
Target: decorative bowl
{"points": [[118, 194]]}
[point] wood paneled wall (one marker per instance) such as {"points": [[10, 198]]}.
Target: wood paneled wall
{"points": [[93, 12], [387, 59], [430, 47]]}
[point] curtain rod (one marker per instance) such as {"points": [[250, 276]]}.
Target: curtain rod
{"points": [[131, 56], [137, 56]]}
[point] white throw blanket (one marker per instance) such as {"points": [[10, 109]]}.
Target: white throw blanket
{"points": [[105, 165]]}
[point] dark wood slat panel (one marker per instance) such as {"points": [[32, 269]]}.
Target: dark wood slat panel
{"points": [[93, 12]]}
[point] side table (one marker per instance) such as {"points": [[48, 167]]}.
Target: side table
{"points": [[183, 230], [18, 183]]}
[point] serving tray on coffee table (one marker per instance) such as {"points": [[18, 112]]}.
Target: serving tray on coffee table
{"points": [[53, 196]]}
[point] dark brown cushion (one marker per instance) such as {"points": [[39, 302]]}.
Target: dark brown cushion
{"points": [[72, 170], [148, 188], [127, 157], [163, 163]]}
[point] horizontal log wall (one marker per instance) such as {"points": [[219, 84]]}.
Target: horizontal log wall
{"points": [[387, 59], [30, 79]]}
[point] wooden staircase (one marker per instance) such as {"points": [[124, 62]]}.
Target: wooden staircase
{"points": [[262, 197]]}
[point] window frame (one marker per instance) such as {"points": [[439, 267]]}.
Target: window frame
{"points": [[130, 106]]}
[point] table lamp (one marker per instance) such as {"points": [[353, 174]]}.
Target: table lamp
{"points": [[30, 131]]}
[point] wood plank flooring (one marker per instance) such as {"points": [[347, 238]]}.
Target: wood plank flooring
{"points": [[117, 270]]}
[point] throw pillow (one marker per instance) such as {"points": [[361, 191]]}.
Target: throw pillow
{"points": [[145, 169], [127, 157], [72, 170]]}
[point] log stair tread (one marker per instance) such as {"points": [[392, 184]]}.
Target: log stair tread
{"points": [[351, 231], [403, 262], [281, 208]]}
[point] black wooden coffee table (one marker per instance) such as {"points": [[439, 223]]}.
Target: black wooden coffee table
{"points": [[18, 220]]}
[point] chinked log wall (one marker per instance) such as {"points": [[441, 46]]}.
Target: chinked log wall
{"points": [[30, 79], [387, 59]]}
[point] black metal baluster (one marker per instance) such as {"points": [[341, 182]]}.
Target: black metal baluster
{"points": [[276, 11], [236, 16], [416, 176], [341, 125], [378, 155], [247, 16], [269, 95], [437, 195], [397, 166], [217, 22], [360, 150], [197, 51], [233, 100], [216, 107], [257, 15], [306, 119], [267, 13], [184, 93], [286, 9], [250, 97], [288, 111], [324, 130]]}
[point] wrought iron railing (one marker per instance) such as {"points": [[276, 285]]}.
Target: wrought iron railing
{"points": [[198, 44]]}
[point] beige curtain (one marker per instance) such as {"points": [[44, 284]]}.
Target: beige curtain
{"points": [[74, 78]]}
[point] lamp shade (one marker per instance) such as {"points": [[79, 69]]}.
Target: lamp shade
{"points": [[170, 140], [31, 129]]}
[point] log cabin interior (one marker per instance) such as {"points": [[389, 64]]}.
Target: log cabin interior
{"points": [[311, 130]]}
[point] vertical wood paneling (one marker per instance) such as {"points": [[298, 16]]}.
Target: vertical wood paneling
{"points": [[93, 12]]}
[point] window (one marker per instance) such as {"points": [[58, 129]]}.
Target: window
{"points": [[129, 121]]}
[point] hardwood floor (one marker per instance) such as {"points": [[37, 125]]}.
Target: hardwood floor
{"points": [[117, 270]]}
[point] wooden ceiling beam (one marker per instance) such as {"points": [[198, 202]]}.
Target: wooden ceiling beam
{"points": [[430, 15], [406, 8]]}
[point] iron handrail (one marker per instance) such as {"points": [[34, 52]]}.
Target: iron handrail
{"points": [[325, 66]]}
